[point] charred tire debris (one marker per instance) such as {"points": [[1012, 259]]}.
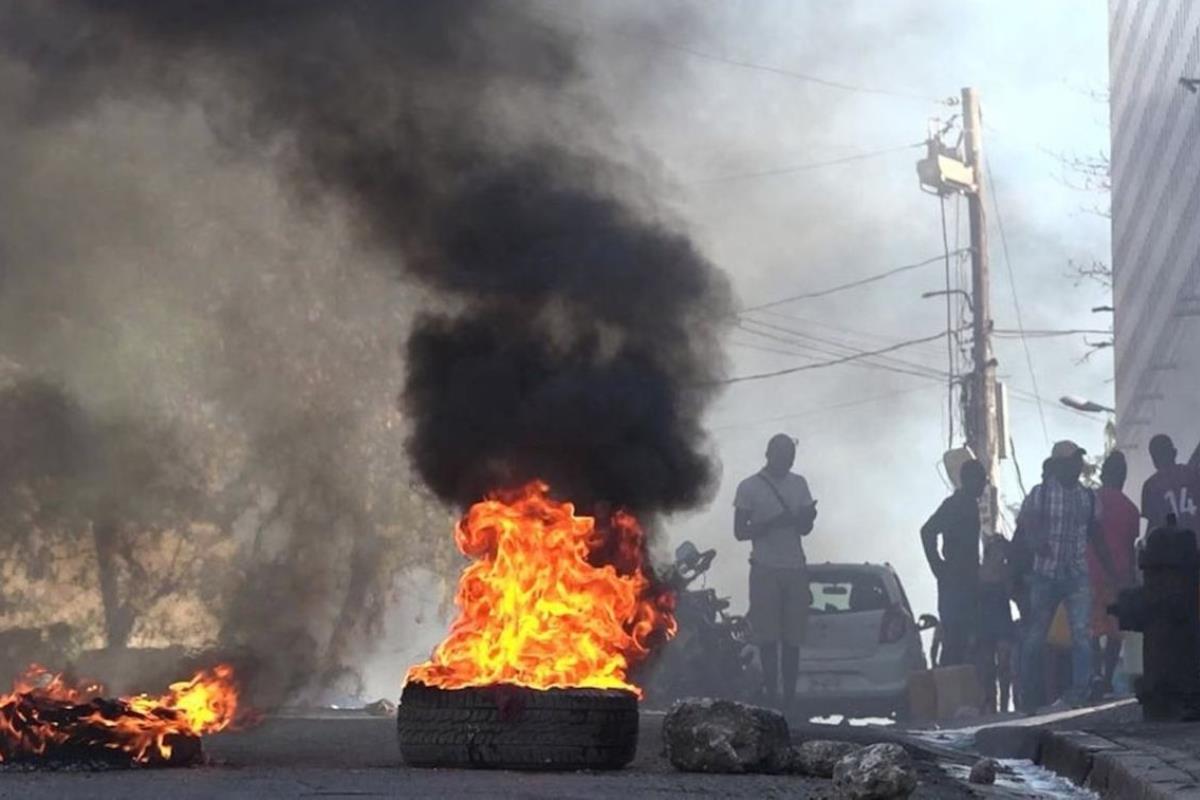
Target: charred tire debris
{"points": [[512, 727]]}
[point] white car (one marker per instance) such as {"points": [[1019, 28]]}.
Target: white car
{"points": [[861, 644]]}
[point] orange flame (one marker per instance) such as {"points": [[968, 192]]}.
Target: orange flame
{"points": [[44, 715], [552, 600]]}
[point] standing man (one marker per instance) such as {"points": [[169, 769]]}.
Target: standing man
{"points": [[1173, 488], [773, 509], [1119, 529], [1020, 561], [1062, 516], [956, 567]]}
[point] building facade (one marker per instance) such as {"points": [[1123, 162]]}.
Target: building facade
{"points": [[1154, 48]]}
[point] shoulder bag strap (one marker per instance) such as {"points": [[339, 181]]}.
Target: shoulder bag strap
{"points": [[775, 492]]}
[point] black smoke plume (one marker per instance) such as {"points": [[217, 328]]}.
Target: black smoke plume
{"points": [[574, 337], [586, 324]]}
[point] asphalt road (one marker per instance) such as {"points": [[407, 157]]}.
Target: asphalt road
{"points": [[357, 756]]}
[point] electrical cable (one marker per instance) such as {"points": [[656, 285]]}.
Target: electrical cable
{"points": [[1016, 462], [808, 412], [1009, 333], [918, 372], [843, 287], [949, 327], [787, 73], [832, 363], [582, 27], [767, 173], [841, 348], [1012, 284], [870, 339], [1030, 397]]}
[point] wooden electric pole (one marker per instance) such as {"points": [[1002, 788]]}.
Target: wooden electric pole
{"points": [[945, 171], [982, 426]]}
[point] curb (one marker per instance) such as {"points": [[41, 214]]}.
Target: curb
{"points": [[1113, 770], [1008, 741]]}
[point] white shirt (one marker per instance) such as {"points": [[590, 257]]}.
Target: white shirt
{"points": [[780, 546]]}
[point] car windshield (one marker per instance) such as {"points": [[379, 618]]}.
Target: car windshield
{"points": [[847, 592]]}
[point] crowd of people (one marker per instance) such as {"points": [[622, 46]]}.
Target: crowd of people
{"points": [[1072, 551]]}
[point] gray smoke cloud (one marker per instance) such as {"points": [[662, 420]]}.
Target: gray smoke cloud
{"points": [[568, 330]]}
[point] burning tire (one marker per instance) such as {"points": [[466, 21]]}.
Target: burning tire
{"points": [[511, 727]]}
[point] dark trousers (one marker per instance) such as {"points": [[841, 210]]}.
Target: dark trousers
{"points": [[957, 608]]}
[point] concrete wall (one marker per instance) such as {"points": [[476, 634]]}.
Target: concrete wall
{"points": [[1155, 224]]}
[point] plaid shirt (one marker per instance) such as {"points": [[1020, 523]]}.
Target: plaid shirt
{"points": [[1062, 517]]}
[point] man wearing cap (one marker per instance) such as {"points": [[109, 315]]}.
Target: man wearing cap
{"points": [[773, 509], [1062, 517], [1173, 488]]}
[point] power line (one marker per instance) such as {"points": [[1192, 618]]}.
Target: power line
{"points": [[808, 412], [949, 328], [960, 280], [871, 339], [831, 363], [764, 348], [582, 26], [843, 335], [1030, 397], [851, 285], [802, 338], [898, 370], [766, 173], [865, 364], [1048, 334], [1012, 284], [787, 73], [796, 339]]}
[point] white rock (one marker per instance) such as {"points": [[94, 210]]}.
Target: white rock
{"points": [[709, 735], [818, 757], [878, 772]]}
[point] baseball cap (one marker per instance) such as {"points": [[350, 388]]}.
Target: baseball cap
{"points": [[1066, 449]]}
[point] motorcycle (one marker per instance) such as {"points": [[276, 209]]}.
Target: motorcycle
{"points": [[711, 654]]}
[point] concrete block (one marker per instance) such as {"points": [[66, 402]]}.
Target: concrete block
{"points": [[922, 696], [957, 689]]}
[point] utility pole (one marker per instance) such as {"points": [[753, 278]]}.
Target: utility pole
{"points": [[946, 171], [981, 424]]}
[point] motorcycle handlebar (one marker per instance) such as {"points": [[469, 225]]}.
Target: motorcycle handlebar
{"points": [[690, 569]]}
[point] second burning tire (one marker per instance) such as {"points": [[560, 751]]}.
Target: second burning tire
{"points": [[512, 727]]}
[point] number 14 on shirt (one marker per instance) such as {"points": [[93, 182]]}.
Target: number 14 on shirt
{"points": [[1181, 505]]}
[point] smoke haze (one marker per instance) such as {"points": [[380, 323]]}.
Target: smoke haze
{"points": [[567, 329], [185, 241]]}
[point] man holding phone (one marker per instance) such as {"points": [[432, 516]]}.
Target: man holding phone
{"points": [[773, 509]]}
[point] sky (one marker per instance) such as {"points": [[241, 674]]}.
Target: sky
{"points": [[870, 440]]}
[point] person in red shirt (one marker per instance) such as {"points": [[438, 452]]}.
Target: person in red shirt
{"points": [[1119, 528], [1173, 488]]}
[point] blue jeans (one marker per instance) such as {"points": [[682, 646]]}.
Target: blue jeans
{"points": [[1044, 597]]}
